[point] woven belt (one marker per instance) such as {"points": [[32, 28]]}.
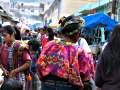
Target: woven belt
{"points": [[56, 83]]}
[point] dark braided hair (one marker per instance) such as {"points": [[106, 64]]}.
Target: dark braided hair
{"points": [[70, 25], [50, 33], [34, 44]]}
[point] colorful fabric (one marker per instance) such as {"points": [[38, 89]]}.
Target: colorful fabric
{"points": [[36, 84], [18, 59], [44, 40], [33, 64], [65, 60], [66, 21], [10, 58]]}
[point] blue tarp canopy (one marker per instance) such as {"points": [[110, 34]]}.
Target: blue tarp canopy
{"points": [[92, 21], [35, 26]]}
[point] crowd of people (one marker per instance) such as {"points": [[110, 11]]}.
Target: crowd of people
{"points": [[57, 59]]}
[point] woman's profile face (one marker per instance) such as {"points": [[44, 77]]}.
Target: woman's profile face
{"points": [[41, 31], [7, 37]]}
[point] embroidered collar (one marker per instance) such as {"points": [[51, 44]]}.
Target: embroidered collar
{"points": [[67, 43]]}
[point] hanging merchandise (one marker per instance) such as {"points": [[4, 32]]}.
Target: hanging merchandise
{"points": [[102, 35]]}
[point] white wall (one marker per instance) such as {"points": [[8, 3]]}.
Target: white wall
{"points": [[69, 7], [5, 5]]}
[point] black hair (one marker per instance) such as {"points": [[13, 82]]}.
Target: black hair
{"points": [[111, 53], [9, 29], [17, 35], [50, 33], [34, 44], [0, 26], [39, 29], [12, 30], [12, 84], [70, 28]]}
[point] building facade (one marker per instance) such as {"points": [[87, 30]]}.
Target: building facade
{"points": [[103, 6], [59, 8], [118, 11]]}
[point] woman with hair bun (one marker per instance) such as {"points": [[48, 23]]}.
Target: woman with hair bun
{"points": [[62, 65]]}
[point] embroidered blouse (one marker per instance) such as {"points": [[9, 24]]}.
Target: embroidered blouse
{"points": [[18, 60], [67, 61], [44, 40]]}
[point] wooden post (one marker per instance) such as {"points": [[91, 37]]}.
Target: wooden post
{"points": [[114, 9]]}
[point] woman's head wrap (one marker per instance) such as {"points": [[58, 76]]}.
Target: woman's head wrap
{"points": [[70, 25]]}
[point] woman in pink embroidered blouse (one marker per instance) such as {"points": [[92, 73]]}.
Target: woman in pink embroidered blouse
{"points": [[64, 60]]}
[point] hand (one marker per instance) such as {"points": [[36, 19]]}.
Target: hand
{"points": [[13, 73], [5, 72], [1, 79], [98, 88]]}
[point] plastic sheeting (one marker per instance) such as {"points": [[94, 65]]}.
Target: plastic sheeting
{"points": [[94, 20]]}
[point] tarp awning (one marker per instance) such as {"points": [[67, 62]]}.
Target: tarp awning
{"points": [[93, 20]]}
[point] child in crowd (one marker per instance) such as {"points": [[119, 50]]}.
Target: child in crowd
{"points": [[34, 47]]}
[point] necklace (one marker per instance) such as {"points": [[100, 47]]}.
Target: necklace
{"points": [[67, 43]]}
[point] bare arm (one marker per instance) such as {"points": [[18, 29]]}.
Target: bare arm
{"points": [[20, 69], [24, 66]]}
